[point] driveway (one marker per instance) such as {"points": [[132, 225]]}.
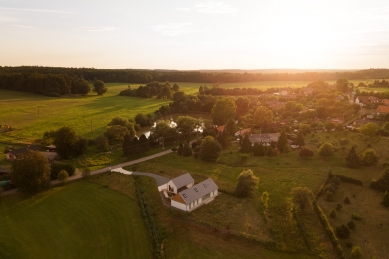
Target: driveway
{"points": [[159, 179]]}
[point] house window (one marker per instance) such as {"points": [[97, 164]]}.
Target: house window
{"points": [[196, 190], [184, 195], [205, 186]]}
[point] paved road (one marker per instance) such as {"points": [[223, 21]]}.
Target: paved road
{"points": [[159, 179]]}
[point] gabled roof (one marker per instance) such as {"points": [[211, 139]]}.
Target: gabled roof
{"points": [[182, 180], [385, 101], [242, 132], [266, 137], [383, 109], [197, 191], [221, 128], [23, 150]]}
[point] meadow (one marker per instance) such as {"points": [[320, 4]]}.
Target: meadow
{"points": [[79, 220]]}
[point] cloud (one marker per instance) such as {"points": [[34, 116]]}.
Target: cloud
{"points": [[35, 10], [173, 29], [96, 28], [22, 26], [211, 7]]}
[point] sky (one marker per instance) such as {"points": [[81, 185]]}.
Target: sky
{"points": [[195, 34]]}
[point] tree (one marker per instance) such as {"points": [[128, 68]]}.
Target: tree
{"points": [[245, 144], [356, 252], [223, 110], [247, 182], [176, 87], [305, 129], [329, 126], [99, 87], [287, 148], [369, 157], [369, 129], [300, 138], [63, 177], [353, 160], [326, 149], [230, 127], [68, 143], [57, 167], [186, 124], [143, 120], [282, 141], [262, 116], [259, 149], [342, 85], [339, 127], [83, 87], [301, 196], [210, 149], [143, 143], [222, 138], [242, 105], [102, 143], [342, 231], [117, 133], [31, 173], [270, 151], [162, 129], [123, 122], [186, 150], [127, 145]]}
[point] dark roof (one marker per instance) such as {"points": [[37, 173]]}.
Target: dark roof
{"points": [[182, 180], [22, 150], [197, 191]]}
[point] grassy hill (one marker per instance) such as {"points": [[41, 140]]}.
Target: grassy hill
{"points": [[80, 220]]}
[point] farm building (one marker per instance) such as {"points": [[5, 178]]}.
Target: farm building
{"points": [[12, 154], [186, 196]]}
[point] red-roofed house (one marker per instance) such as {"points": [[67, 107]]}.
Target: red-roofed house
{"points": [[382, 109], [242, 132], [385, 102]]}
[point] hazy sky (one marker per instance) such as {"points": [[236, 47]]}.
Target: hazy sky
{"points": [[203, 34]]}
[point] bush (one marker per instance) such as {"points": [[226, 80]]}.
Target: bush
{"points": [[347, 200], [356, 252], [329, 196], [63, 176], [342, 231], [332, 214], [355, 216], [351, 224], [57, 167], [339, 206]]}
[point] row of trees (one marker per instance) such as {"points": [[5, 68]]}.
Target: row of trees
{"points": [[152, 89]]}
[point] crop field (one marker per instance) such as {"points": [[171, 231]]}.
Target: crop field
{"points": [[79, 220]]}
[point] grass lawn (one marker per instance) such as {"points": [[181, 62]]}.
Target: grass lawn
{"points": [[79, 220]]}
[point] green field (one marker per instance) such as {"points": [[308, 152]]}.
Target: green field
{"points": [[80, 220]]}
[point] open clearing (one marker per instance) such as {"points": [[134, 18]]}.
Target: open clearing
{"points": [[79, 220]]}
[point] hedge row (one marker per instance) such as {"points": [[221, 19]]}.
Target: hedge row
{"points": [[226, 191], [346, 179], [156, 233], [329, 230]]}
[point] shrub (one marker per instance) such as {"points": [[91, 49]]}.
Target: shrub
{"points": [[369, 157], [57, 167], [351, 224], [355, 216], [174, 149], [356, 252], [347, 200], [326, 149], [244, 156], [342, 231], [63, 176], [329, 196], [339, 206], [332, 214], [306, 152]]}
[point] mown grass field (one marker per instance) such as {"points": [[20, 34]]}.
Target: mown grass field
{"points": [[79, 220]]}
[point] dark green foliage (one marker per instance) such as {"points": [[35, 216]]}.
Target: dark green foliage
{"points": [[347, 200], [68, 143], [143, 144], [342, 231], [385, 200], [127, 146], [102, 143], [306, 152], [353, 160], [245, 145], [282, 141], [346, 179], [369, 157], [57, 167], [230, 127], [326, 149], [210, 149], [339, 206], [180, 149], [99, 87], [223, 110], [381, 184], [355, 216], [351, 224], [300, 139], [144, 120], [301, 196], [259, 149], [247, 182], [270, 151], [186, 150], [332, 214], [31, 173], [222, 138]]}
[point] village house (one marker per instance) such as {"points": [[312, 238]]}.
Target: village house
{"points": [[382, 110], [367, 100], [49, 152], [242, 132], [385, 102], [187, 196]]}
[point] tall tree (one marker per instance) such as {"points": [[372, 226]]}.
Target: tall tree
{"points": [[186, 124], [282, 141], [245, 145], [230, 127], [246, 183], [300, 138], [242, 105], [223, 110], [369, 129], [31, 173], [99, 87], [353, 160], [117, 133], [68, 143], [262, 117], [210, 149]]}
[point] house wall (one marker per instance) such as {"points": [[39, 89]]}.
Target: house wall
{"points": [[171, 184], [9, 156], [162, 187], [178, 205]]}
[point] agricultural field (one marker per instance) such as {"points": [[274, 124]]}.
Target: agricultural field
{"points": [[79, 220]]}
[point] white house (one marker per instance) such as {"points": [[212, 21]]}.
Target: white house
{"points": [[195, 196], [179, 183]]}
